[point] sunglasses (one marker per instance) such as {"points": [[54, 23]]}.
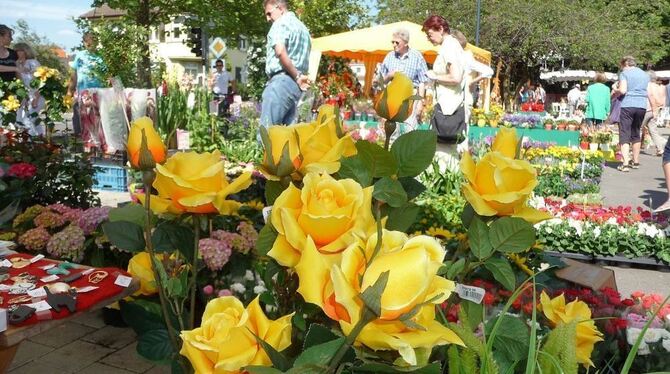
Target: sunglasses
{"points": [[394, 42]]}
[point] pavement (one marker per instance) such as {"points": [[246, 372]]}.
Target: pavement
{"points": [[87, 345]]}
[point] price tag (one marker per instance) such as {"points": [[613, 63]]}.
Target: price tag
{"points": [[86, 289], [37, 292], [123, 281], [470, 293], [40, 306], [88, 271], [266, 213], [47, 267], [36, 258], [49, 278], [6, 263]]}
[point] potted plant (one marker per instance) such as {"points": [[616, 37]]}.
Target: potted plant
{"points": [[548, 124], [593, 142], [561, 125], [573, 125], [604, 138], [584, 141]]}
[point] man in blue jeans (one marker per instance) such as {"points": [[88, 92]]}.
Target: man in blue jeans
{"points": [[287, 60]]}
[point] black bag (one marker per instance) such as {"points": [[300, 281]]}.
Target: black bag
{"points": [[450, 128]]}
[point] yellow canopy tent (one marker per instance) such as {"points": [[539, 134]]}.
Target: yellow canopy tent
{"points": [[372, 44]]}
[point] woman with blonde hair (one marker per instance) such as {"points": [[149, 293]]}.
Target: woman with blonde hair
{"points": [[32, 106]]}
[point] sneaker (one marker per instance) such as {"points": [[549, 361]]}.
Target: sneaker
{"points": [[665, 206]]}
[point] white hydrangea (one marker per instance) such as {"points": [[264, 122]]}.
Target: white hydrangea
{"points": [[249, 275], [259, 289], [238, 287]]}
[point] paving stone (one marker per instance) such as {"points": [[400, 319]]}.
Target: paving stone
{"points": [[74, 356], [62, 334], [29, 351], [91, 319], [158, 369], [38, 367], [98, 368], [127, 358], [111, 337]]}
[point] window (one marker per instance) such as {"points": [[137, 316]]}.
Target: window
{"points": [[238, 74], [242, 44], [161, 33], [176, 32]]}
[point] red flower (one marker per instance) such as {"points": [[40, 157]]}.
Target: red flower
{"points": [[489, 298], [627, 302], [22, 170]]}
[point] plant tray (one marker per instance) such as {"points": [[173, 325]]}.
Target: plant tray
{"points": [[110, 178], [619, 260]]}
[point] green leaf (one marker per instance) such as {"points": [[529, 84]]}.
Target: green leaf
{"points": [[467, 215], [511, 235], [354, 167], [390, 191], [372, 296], [511, 337], [376, 367], [401, 218], [134, 213], [414, 151], [262, 370], [380, 161], [171, 236], [502, 272], [278, 360], [285, 166], [142, 316], [474, 312], [320, 354], [272, 191], [412, 187], [125, 235], [318, 334], [154, 345], [266, 238], [456, 268], [478, 234], [174, 288]]}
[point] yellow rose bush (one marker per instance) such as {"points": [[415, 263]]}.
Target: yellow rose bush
{"points": [[144, 127], [140, 267], [560, 313], [192, 182], [305, 147], [332, 212], [226, 342]]}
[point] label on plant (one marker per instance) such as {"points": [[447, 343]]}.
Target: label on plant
{"points": [[36, 258], [470, 293], [123, 281], [266, 213]]}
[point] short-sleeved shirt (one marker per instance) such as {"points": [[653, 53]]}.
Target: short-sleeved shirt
{"points": [[10, 60], [293, 34], [84, 63], [411, 64], [221, 81], [636, 88], [450, 97]]}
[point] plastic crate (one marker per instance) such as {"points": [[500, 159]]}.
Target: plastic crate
{"points": [[110, 178]]}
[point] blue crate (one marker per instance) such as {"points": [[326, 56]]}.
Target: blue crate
{"points": [[110, 178]]}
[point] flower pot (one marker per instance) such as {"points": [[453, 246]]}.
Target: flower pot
{"points": [[593, 146], [481, 123], [547, 126], [572, 127], [605, 147], [560, 127], [584, 145]]}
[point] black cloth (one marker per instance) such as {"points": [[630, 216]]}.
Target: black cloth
{"points": [[10, 60], [450, 128], [630, 124]]}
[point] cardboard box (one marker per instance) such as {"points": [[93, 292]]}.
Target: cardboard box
{"points": [[587, 275]]}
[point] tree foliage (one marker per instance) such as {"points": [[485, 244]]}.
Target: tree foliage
{"points": [[43, 47]]}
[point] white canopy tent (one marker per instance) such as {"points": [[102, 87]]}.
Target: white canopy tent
{"points": [[574, 75]]}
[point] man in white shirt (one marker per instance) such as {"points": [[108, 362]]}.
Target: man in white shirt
{"points": [[219, 84], [574, 96]]}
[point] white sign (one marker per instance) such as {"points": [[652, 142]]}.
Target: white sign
{"points": [[217, 47]]}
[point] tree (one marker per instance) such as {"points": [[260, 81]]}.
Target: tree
{"points": [[43, 47], [526, 35]]}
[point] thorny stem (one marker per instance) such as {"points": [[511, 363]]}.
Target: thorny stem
{"points": [[194, 267]]}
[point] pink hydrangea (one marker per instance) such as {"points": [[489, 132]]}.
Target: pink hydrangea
{"points": [[225, 292], [60, 208], [49, 219], [250, 235], [92, 217], [68, 244], [73, 215], [35, 239], [215, 253]]}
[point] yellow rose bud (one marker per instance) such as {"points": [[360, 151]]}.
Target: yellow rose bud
{"points": [[587, 333], [140, 267], [396, 101], [154, 143], [506, 142], [500, 186], [281, 138], [225, 342], [332, 212], [195, 183]]}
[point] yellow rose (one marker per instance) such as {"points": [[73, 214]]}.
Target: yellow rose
{"points": [[587, 333], [195, 183], [154, 143], [68, 101], [412, 283], [506, 142], [225, 342], [312, 147], [332, 212], [11, 103], [396, 101], [140, 267], [500, 186]]}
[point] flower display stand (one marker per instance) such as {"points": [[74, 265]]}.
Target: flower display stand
{"points": [[615, 260], [564, 138]]}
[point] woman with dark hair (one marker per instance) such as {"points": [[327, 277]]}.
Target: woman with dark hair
{"points": [[447, 74], [597, 100], [8, 56]]}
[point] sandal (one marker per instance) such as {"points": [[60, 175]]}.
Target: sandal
{"points": [[623, 168], [634, 165]]}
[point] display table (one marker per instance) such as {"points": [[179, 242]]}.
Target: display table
{"points": [[107, 293], [564, 138]]}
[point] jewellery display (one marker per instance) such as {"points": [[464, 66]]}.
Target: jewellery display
{"points": [[19, 299], [58, 287], [20, 313], [19, 263], [21, 288], [97, 276]]}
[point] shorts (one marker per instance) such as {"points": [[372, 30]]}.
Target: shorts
{"points": [[630, 123]]}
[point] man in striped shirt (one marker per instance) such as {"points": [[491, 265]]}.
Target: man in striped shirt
{"points": [[411, 63]]}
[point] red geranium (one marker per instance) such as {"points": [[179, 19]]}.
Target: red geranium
{"points": [[22, 170]]}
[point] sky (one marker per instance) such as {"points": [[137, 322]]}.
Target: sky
{"points": [[50, 18]]}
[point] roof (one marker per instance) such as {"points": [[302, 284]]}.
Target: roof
{"points": [[103, 11]]}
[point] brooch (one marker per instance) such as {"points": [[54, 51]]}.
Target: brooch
{"points": [[97, 276]]}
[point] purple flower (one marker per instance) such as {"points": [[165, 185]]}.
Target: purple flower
{"points": [[92, 217], [215, 253]]}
